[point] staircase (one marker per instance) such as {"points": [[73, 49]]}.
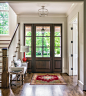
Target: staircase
{"points": [[3, 44], [12, 52], [16, 51]]}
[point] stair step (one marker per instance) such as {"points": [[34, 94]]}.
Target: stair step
{"points": [[0, 73], [4, 40], [0, 81], [18, 43], [16, 51], [0, 61], [12, 61], [17, 47], [7, 41], [0, 67], [4, 43], [0, 64], [1, 56], [0, 51], [14, 56], [3, 47]]}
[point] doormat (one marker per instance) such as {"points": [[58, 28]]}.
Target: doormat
{"points": [[47, 79]]}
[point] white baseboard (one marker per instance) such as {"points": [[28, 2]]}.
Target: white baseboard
{"points": [[64, 70], [80, 84]]}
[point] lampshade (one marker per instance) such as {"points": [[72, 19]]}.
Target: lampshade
{"points": [[24, 49]]}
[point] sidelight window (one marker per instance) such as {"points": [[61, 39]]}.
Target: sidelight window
{"points": [[28, 36], [57, 41]]}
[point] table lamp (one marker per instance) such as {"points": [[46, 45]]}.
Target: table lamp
{"points": [[24, 49]]}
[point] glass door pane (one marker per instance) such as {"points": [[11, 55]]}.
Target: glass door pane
{"points": [[42, 41], [28, 37], [57, 41]]}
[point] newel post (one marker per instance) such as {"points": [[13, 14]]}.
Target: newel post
{"points": [[5, 73]]}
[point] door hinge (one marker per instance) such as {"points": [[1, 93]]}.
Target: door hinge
{"points": [[71, 41], [71, 28], [71, 68], [71, 55]]}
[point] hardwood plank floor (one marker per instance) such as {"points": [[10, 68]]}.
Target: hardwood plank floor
{"points": [[71, 89]]}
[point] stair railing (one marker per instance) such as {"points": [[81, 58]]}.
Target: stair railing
{"points": [[7, 57]]}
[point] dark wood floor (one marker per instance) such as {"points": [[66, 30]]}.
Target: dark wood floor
{"points": [[71, 89]]}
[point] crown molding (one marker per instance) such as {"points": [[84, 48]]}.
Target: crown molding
{"points": [[72, 8], [36, 15]]}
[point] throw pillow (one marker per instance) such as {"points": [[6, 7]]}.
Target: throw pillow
{"points": [[17, 63]]}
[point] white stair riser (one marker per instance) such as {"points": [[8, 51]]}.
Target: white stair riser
{"points": [[0, 64], [0, 84], [0, 77], [0, 70], [4, 41], [17, 49], [0, 58], [4, 46], [0, 49], [0, 54]]}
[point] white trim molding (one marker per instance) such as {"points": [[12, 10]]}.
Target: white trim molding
{"points": [[36, 15], [64, 70], [81, 85], [71, 9]]}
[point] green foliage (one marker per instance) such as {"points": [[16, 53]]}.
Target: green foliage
{"points": [[43, 42], [57, 34], [58, 51], [57, 41], [28, 33], [4, 18], [28, 41], [4, 6]]}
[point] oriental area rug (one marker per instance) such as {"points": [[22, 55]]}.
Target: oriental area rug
{"points": [[47, 79]]}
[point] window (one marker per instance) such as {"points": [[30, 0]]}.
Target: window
{"points": [[57, 41], [28, 36], [42, 41], [4, 18]]}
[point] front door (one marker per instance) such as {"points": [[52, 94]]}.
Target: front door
{"points": [[42, 48], [45, 47]]}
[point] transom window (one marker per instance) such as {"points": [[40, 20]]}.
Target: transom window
{"points": [[4, 18]]}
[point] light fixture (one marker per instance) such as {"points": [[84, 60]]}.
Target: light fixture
{"points": [[43, 12], [42, 30]]}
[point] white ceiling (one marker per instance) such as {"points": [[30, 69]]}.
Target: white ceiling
{"points": [[32, 7]]}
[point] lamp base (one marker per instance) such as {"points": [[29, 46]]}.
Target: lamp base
{"points": [[24, 59]]}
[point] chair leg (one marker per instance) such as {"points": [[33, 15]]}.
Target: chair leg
{"points": [[17, 77], [26, 71], [22, 79], [11, 79]]}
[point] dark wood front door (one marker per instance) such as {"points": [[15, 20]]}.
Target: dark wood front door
{"points": [[45, 51]]}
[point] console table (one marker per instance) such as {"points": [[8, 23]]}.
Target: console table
{"points": [[17, 73]]}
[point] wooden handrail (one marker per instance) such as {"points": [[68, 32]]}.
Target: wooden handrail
{"points": [[13, 35]]}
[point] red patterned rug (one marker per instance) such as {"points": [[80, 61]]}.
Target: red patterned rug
{"points": [[47, 79]]}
